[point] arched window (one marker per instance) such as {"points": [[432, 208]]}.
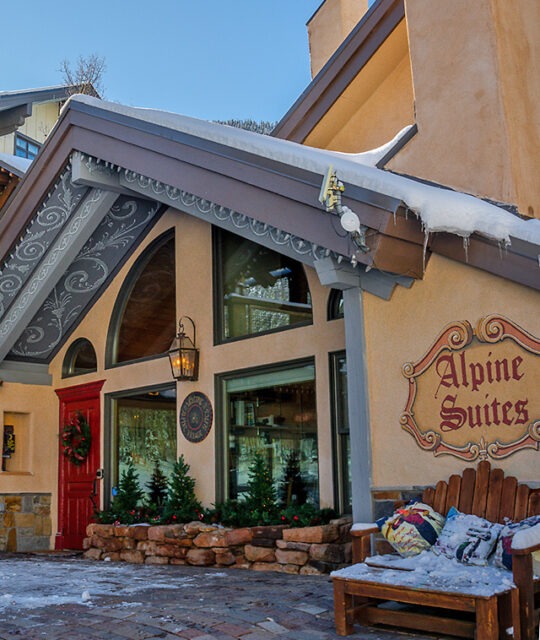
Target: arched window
{"points": [[80, 358], [143, 323], [257, 289], [335, 304]]}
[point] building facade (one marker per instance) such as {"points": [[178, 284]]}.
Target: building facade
{"points": [[385, 355]]}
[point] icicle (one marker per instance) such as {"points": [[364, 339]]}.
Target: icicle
{"points": [[466, 242], [354, 261], [426, 239], [340, 259], [327, 253]]}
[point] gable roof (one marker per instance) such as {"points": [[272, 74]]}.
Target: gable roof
{"points": [[263, 188]]}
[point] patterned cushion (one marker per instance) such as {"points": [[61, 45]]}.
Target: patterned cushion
{"points": [[503, 553], [470, 539], [412, 528]]}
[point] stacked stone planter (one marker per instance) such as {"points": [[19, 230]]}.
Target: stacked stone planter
{"points": [[308, 550]]}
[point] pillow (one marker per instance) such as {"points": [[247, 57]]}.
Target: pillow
{"points": [[503, 552], [470, 539], [412, 529]]}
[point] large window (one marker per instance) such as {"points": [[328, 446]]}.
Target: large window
{"points": [[144, 318], [25, 147], [342, 440], [257, 289], [272, 412], [145, 433]]}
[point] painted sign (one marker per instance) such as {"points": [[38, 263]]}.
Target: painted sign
{"points": [[196, 417], [475, 393]]}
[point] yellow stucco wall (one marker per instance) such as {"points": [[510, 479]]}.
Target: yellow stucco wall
{"points": [[194, 298], [477, 96], [330, 25], [402, 330], [376, 105], [37, 126]]}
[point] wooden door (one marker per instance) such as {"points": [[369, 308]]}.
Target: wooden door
{"points": [[76, 482]]}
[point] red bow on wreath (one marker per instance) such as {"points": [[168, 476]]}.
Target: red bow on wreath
{"points": [[76, 439]]}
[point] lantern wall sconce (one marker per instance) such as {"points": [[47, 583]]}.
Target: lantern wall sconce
{"points": [[183, 353]]}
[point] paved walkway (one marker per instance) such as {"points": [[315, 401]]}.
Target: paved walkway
{"points": [[74, 599]]}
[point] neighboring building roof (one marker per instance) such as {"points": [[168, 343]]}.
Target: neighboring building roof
{"points": [[340, 70], [14, 164], [16, 106]]}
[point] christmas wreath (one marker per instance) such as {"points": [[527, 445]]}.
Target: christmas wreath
{"points": [[76, 439]]}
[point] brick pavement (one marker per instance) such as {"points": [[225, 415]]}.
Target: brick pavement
{"points": [[183, 602]]}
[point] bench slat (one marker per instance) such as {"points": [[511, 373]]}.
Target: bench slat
{"points": [[481, 489], [508, 498], [522, 502], [467, 490], [439, 501], [428, 496], [534, 503], [494, 495], [452, 496]]}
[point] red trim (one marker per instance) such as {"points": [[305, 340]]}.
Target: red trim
{"points": [[80, 391]]}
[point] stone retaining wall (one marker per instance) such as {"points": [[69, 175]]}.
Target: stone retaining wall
{"points": [[25, 521], [308, 550]]}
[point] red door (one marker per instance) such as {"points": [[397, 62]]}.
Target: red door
{"points": [[76, 482]]}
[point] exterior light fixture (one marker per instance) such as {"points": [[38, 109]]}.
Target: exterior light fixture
{"points": [[330, 197], [183, 354]]}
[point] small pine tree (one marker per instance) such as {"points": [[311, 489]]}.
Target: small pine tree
{"points": [[292, 489], [181, 504], [129, 493], [261, 495], [157, 487]]}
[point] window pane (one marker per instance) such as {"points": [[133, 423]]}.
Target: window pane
{"points": [[19, 142], [275, 417], [32, 149], [146, 433], [261, 289], [148, 325], [21, 153], [83, 360], [341, 422]]}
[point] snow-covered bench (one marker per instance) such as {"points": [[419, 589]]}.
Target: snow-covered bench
{"points": [[484, 602]]}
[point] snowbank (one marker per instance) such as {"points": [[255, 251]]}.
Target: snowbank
{"points": [[439, 209]]}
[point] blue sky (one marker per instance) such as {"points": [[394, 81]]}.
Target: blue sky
{"points": [[205, 58]]}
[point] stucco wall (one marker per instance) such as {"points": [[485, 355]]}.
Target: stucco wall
{"points": [[477, 97], [402, 330], [194, 298]]}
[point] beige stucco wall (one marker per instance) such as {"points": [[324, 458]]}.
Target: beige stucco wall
{"points": [[402, 330], [37, 126], [329, 26], [194, 298], [377, 104], [477, 96]]}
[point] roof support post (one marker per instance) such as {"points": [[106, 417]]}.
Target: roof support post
{"points": [[358, 400]]}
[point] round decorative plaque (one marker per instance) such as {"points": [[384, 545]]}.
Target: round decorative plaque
{"points": [[196, 417]]}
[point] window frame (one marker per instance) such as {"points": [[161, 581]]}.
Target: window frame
{"points": [[221, 426], [27, 140], [332, 308], [217, 298], [110, 430], [71, 354], [123, 297], [337, 447]]}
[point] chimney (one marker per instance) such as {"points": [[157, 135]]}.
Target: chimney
{"points": [[329, 26]]}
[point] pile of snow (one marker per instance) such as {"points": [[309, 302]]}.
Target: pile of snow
{"points": [[439, 209], [526, 538], [33, 583], [363, 526], [433, 571]]}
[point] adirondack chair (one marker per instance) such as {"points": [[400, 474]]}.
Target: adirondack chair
{"points": [[484, 492]]}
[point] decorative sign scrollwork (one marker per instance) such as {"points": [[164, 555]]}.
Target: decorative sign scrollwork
{"points": [[474, 394]]}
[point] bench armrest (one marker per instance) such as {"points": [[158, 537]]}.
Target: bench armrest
{"points": [[527, 550], [361, 542]]}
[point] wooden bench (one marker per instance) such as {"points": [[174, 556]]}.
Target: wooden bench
{"points": [[484, 492]]}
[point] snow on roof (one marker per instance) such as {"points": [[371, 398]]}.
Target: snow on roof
{"points": [[439, 209], [19, 92], [16, 165]]}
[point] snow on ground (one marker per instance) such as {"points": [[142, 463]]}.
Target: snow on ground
{"points": [[33, 583], [433, 571], [439, 209]]}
